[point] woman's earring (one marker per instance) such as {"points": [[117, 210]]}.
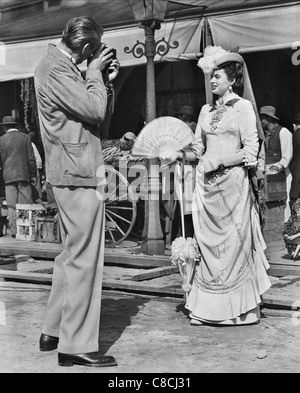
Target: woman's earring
{"points": [[230, 89]]}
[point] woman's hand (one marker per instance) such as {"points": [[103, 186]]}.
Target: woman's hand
{"points": [[171, 155], [249, 164]]}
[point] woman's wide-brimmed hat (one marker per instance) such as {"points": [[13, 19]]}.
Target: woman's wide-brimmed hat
{"points": [[269, 111], [229, 57], [9, 120], [214, 56], [185, 110]]}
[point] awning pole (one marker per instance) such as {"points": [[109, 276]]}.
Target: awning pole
{"points": [[207, 40]]}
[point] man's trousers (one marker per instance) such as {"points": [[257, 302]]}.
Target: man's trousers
{"points": [[73, 312]]}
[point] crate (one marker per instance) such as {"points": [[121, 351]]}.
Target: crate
{"points": [[26, 224], [274, 221], [47, 230], [276, 187]]}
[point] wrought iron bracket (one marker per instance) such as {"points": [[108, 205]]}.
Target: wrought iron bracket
{"points": [[162, 48]]}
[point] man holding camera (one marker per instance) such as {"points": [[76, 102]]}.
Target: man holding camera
{"points": [[71, 109]]}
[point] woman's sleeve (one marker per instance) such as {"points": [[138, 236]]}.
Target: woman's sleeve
{"points": [[249, 135], [199, 144]]}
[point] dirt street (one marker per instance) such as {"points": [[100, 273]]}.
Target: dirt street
{"points": [[148, 335]]}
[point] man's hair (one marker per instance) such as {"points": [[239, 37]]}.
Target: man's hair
{"points": [[80, 31]]}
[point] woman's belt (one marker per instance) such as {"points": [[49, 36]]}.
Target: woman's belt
{"points": [[220, 171]]}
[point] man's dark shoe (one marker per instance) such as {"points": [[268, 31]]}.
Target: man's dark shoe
{"points": [[48, 343], [92, 359]]}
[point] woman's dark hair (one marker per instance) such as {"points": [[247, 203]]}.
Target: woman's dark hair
{"points": [[234, 70], [80, 31]]}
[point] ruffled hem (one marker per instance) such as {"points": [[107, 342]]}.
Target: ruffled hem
{"points": [[249, 318], [216, 307]]}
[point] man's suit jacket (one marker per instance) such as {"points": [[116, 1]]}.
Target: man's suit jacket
{"points": [[71, 109], [17, 157]]}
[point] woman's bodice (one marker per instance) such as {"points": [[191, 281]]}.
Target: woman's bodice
{"points": [[227, 129]]}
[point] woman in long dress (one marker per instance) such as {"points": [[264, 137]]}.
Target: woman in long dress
{"points": [[231, 277]]}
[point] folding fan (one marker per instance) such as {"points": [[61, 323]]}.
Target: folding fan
{"points": [[164, 134]]}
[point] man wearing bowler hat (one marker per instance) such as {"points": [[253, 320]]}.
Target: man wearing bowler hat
{"points": [[295, 162], [278, 147], [19, 167]]}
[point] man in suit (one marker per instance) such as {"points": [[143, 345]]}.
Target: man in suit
{"points": [[278, 148], [19, 167], [71, 109], [295, 162], [278, 140]]}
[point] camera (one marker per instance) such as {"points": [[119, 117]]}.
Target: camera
{"points": [[114, 52]]}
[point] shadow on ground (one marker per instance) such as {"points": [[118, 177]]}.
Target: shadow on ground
{"points": [[116, 316]]}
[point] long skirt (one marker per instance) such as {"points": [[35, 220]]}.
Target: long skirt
{"points": [[232, 274]]}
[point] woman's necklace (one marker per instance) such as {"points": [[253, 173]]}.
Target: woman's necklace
{"points": [[217, 116]]}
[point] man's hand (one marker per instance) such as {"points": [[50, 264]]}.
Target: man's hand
{"points": [[274, 168], [101, 58], [113, 70], [277, 167]]}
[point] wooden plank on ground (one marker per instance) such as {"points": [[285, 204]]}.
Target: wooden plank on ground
{"points": [[278, 270], [136, 260], [39, 253], [6, 260], [140, 287], [26, 276], [111, 257], [276, 301], [285, 262], [154, 273], [268, 300], [107, 284]]}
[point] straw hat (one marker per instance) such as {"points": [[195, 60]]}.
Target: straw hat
{"points": [[269, 111]]}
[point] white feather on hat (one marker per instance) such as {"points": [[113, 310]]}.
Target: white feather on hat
{"points": [[215, 56]]}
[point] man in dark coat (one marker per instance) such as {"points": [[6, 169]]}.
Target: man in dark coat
{"points": [[18, 165], [295, 162]]}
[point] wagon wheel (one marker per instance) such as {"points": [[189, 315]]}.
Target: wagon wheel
{"points": [[120, 207]]}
